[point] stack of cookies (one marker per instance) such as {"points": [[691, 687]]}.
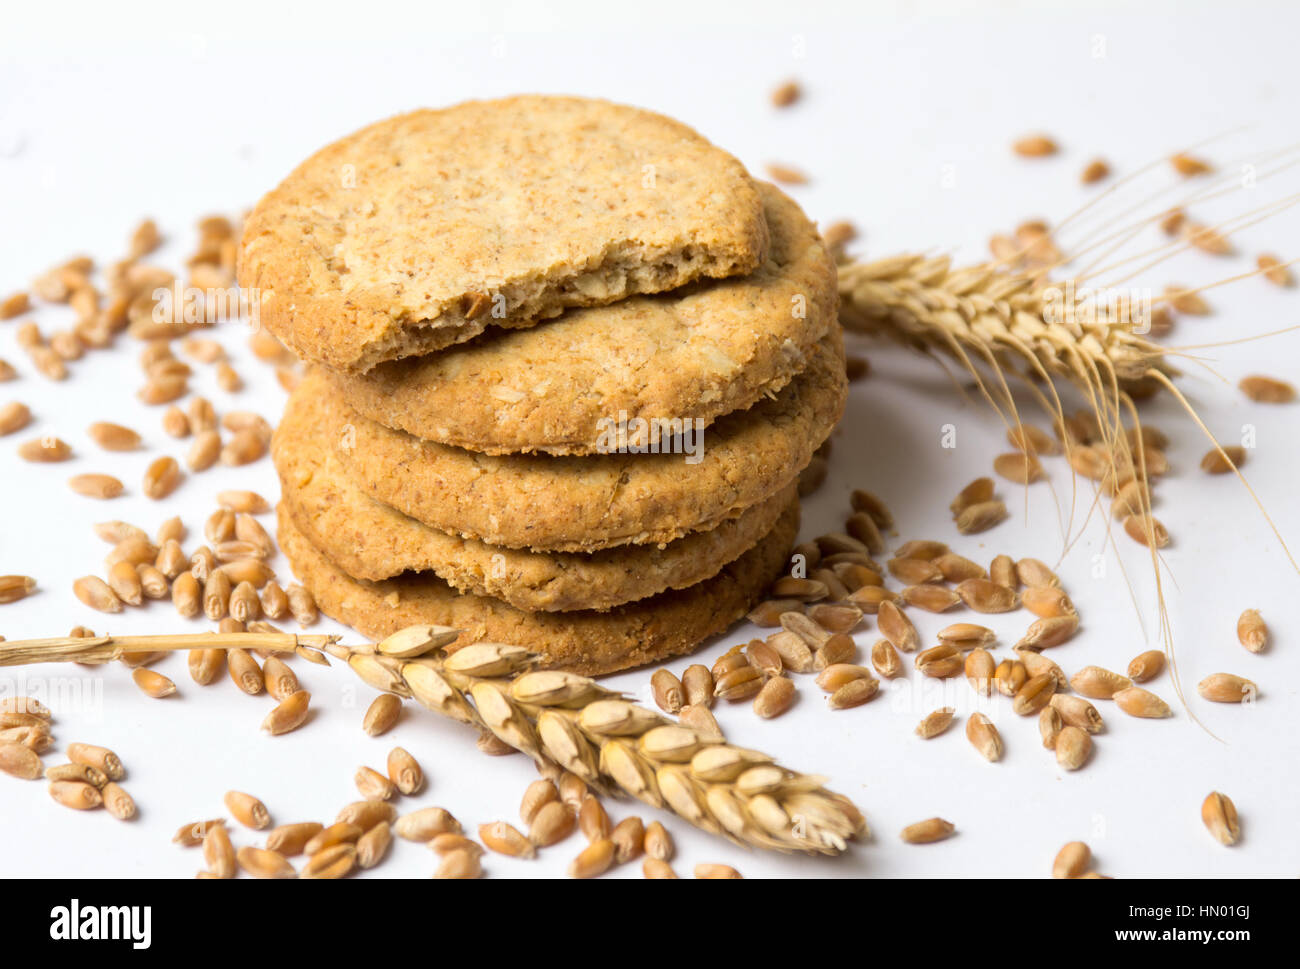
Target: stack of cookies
{"points": [[568, 361]]}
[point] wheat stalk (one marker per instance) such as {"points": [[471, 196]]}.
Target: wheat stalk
{"points": [[95, 650], [565, 722]]}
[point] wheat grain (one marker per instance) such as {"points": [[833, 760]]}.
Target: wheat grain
{"points": [[373, 845], [1252, 631], [1227, 688], [739, 684], [928, 831], [966, 635], [19, 760], [775, 698], [117, 801], [187, 595], [218, 852], [1267, 390], [290, 714], [424, 824], [1050, 726], [97, 594], [1002, 571], [338, 833], [244, 671], [1146, 666], [940, 662], [1072, 860], [161, 478], [984, 737], [292, 839], [987, 596], [958, 568], [1073, 747], [76, 794], [1037, 664], [935, 722], [629, 840], [594, 860], [505, 839], [1094, 171], [1099, 683], [1137, 702], [980, 671], [593, 820], [836, 617], [264, 863], [404, 771], [302, 606], [668, 691], [1220, 817], [371, 784], [1077, 712], [1223, 459], [1047, 602], [45, 450], [382, 714], [15, 587], [332, 862], [248, 810], [1048, 632], [538, 794], [1035, 146]]}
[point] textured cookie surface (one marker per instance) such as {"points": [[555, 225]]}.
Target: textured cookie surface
{"points": [[419, 231], [369, 540], [555, 387], [669, 624], [580, 503]]}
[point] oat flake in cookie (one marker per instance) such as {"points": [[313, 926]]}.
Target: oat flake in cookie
{"points": [[422, 230]]}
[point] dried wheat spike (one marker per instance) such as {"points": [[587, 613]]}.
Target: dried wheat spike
{"points": [[979, 311]]}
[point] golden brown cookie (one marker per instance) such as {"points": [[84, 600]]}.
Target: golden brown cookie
{"points": [[581, 503], [368, 540], [419, 231], [698, 353], [665, 625]]}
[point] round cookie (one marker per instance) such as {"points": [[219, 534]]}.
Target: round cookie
{"points": [[369, 540], [665, 625], [581, 503], [697, 354], [419, 231]]}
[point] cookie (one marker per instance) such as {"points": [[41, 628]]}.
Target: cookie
{"points": [[369, 540], [669, 624], [559, 386], [420, 231], [581, 503]]}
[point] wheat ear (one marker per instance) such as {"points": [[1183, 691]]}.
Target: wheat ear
{"points": [[926, 304], [565, 722]]}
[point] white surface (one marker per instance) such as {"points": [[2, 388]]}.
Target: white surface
{"points": [[107, 115]]}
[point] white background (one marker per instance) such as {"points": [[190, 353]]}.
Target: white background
{"points": [[109, 114]]}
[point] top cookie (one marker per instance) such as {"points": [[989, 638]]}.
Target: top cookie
{"points": [[420, 231], [558, 387]]}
